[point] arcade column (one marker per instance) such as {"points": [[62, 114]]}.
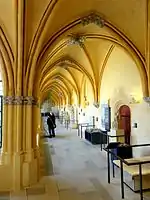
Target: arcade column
{"points": [[20, 150]]}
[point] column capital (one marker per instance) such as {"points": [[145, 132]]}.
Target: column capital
{"points": [[19, 100]]}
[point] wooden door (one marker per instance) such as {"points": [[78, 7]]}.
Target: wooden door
{"points": [[124, 122]]}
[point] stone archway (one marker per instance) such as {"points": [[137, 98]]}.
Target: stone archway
{"points": [[115, 103]]}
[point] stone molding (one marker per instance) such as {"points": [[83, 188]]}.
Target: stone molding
{"points": [[19, 100]]}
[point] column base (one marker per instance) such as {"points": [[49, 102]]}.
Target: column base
{"points": [[31, 168], [74, 126], [19, 170], [6, 177]]}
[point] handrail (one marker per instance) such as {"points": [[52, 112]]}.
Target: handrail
{"points": [[82, 123], [139, 163], [82, 126], [109, 136], [125, 161], [112, 136]]}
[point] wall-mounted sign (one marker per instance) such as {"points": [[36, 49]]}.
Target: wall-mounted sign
{"points": [[107, 120], [106, 117]]}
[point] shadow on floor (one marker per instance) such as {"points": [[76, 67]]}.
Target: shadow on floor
{"points": [[45, 136], [63, 136], [57, 136], [48, 159]]}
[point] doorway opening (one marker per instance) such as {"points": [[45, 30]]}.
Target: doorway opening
{"points": [[124, 122]]}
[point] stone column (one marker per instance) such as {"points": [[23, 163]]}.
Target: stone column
{"points": [[147, 49], [31, 151], [8, 129], [20, 148]]}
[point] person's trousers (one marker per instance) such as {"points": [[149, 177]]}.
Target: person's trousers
{"points": [[51, 131]]}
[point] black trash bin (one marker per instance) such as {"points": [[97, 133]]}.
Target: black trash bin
{"points": [[113, 147], [122, 150]]}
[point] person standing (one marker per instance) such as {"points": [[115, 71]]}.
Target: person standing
{"points": [[51, 124], [54, 123]]}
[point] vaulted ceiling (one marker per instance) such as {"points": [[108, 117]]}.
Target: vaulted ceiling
{"points": [[60, 50]]}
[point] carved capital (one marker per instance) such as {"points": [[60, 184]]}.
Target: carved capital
{"points": [[19, 100], [29, 100]]}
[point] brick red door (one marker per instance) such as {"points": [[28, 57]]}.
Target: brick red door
{"points": [[125, 122]]}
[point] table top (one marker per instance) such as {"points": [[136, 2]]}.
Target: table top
{"points": [[134, 169], [93, 131]]}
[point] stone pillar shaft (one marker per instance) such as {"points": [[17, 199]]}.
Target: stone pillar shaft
{"points": [[20, 150]]}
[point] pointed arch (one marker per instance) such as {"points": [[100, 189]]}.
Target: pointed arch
{"points": [[7, 61], [131, 48]]}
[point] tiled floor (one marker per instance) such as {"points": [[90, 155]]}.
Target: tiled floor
{"points": [[79, 173]]}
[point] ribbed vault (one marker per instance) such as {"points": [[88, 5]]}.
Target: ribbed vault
{"points": [[52, 58], [88, 59]]}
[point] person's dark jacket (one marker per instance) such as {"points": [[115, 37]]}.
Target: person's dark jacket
{"points": [[51, 121], [53, 118]]}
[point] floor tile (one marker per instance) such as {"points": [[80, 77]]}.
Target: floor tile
{"points": [[70, 195], [36, 191], [18, 195], [74, 170], [38, 197]]}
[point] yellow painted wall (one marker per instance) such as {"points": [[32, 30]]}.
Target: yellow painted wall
{"points": [[121, 78], [141, 134], [89, 91], [74, 98], [86, 90]]}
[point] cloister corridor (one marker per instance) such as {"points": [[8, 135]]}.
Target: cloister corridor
{"points": [[73, 170]]}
